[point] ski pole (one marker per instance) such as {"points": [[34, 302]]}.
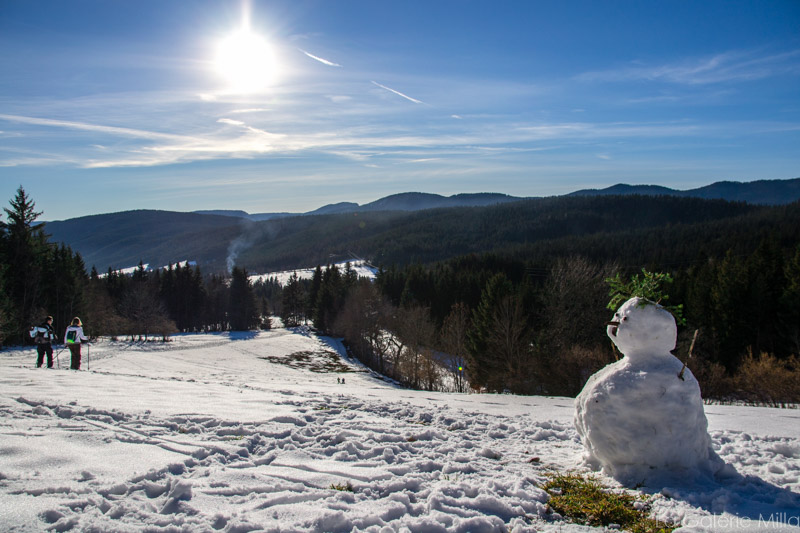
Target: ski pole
{"points": [[88, 351]]}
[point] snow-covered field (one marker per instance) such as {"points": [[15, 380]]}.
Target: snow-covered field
{"points": [[361, 268], [252, 432]]}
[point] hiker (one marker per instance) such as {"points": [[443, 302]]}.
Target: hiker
{"points": [[73, 338], [44, 336]]}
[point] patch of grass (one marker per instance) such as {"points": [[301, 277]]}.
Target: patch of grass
{"points": [[584, 500], [322, 361], [345, 488]]}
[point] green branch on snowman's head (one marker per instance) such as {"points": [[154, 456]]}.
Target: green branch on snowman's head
{"points": [[648, 286]]}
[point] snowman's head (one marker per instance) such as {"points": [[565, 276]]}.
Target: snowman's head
{"points": [[643, 327]]}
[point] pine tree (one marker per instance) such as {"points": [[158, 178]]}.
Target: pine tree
{"points": [[790, 308], [293, 300], [313, 292], [64, 285], [729, 320], [215, 316], [6, 327], [482, 367], [766, 285], [242, 310], [329, 300], [24, 248]]}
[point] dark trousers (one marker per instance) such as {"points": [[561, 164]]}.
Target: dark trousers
{"points": [[42, 349], [75, 351]]}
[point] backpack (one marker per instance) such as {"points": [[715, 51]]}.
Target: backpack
{"points": [[39, 338], [71, 336]]}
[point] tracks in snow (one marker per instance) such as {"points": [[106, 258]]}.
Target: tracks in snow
{"points": [[400, 461]]}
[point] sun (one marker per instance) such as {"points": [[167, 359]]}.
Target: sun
{"points": [[246, 62]]}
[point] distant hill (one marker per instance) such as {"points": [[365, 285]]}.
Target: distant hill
{"points": [[417, 201], [224, 213], [400, 228], [341, 207], [120, 240], [244, 214], [764, 192], [408, 201]]}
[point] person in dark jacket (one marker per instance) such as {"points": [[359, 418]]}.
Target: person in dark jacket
{"points": [[73, 338], [44, 336]]}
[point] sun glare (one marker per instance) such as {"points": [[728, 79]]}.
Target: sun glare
{"points": [[246, 62]]}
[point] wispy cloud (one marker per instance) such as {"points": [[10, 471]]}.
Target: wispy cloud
{"points": [[275, 138], [231, 122], [398, 93], [725, 67], [114, 130], [249, 110], [321, 60], [339, 98]]}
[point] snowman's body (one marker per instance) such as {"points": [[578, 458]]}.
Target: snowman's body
{"points": [[638, 418]]}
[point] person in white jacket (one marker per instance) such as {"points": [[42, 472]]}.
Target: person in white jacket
{"points": [[44, 335], [73, 338]]}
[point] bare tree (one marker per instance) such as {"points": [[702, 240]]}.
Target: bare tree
{"points": [[415, 332], [508, 341], [144, 311], [573, 343], [574, 303], [453, 340], [100, 314], [362, 322]]}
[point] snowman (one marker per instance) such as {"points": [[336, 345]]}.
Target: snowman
{"points": [[641, 419]]}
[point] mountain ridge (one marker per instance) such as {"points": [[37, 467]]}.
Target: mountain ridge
{"points": [[762, 192], [405, 201], [398, 228]]}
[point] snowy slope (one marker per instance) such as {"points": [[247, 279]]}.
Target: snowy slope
{"points": [[361, 268], [250, 432]]}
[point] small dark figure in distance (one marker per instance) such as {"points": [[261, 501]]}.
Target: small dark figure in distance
{"points": [[44, 336], [73, 338]]}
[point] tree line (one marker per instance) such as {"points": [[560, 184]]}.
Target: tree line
{"points": [[40, 278], [503, 324]]}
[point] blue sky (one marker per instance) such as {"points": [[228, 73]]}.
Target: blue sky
{"points": [[114, 105]]}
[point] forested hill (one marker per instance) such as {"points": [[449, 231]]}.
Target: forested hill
{"points": [[120, 240], [765, 192], [523, 228], [528, 229]]}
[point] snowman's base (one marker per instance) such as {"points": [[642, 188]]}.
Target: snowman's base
{"points": [[640, 422]]}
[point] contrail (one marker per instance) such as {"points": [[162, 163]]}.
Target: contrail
{"points": [[323, 61], [398, 93]]}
